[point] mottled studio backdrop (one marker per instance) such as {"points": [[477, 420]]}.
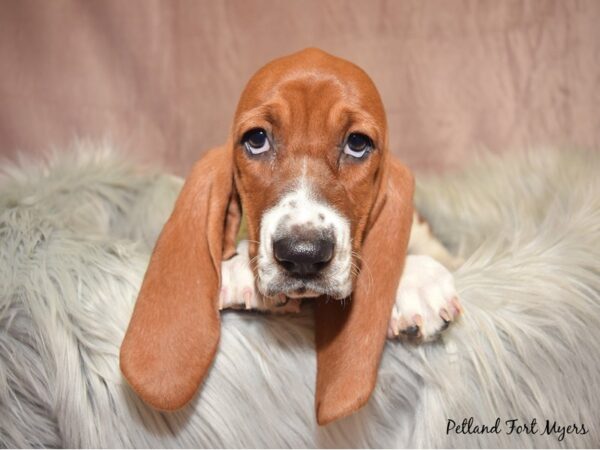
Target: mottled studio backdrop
{"points": [[162, 78]]}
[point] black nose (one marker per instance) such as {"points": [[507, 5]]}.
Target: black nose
{"points": [[303, 257]]}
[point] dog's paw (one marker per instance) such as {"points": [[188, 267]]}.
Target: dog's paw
{"points": [[238, 289], [426, 300]]}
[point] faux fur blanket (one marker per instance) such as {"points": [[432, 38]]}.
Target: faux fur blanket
{"points": [[521, 366]]}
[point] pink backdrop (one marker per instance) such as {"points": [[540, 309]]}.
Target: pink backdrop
{"points": [[162, 78]]}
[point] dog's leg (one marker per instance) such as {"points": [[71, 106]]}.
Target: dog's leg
{"points": [[426, 300], [238, 290], [423, 242]]}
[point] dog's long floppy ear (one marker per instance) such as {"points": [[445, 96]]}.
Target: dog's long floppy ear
{"points": [[350, 337], [175, 327]]}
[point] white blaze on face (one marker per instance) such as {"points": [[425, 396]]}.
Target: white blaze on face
{"points": [[296, 210]]}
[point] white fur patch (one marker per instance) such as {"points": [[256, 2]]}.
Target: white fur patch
{"points": [[300, 207]]}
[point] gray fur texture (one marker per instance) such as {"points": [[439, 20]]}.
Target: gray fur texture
{"points": [[76, 233]]}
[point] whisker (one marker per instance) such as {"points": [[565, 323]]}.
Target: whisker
{"points": [[367, 270]]}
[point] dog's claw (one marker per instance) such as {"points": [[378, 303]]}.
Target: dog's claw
{"points": [[247, 298], [445, 316], [457, 306], [412, 331]]}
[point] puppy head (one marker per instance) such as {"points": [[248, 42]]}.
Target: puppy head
{"points": [[310, 137]]}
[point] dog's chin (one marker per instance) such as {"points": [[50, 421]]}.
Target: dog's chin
{"points": [[303, 294], [303, 289]]}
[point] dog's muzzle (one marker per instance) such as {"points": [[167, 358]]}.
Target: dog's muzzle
{"points": [[305, 249]]}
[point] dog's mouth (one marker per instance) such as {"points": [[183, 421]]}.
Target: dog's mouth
{"points": [[296, 288], [303, 292]]}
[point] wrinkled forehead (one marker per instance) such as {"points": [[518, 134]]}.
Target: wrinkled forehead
{"points": [[313, 81]]}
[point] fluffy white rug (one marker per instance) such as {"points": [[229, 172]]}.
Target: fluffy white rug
{"points": [[75, 237]]}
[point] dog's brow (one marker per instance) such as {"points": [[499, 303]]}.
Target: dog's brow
{"points": [[354, 121], [259, 116]]}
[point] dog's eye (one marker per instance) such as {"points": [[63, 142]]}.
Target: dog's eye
{"points": [[256, 141], [358, 145]]}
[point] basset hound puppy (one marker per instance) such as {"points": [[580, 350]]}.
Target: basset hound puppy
{"points": [[328, 212]]}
